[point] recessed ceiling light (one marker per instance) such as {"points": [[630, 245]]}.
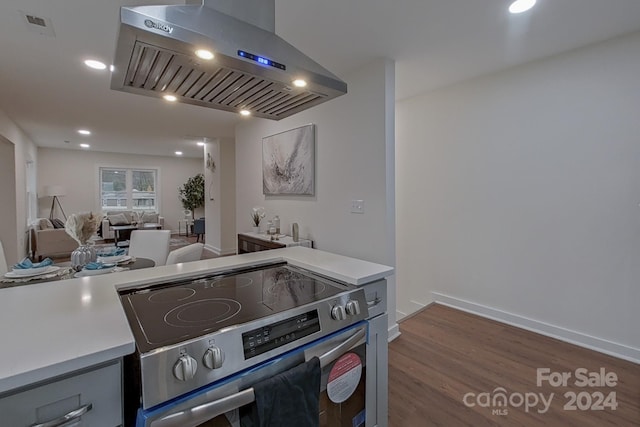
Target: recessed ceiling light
{"points": [[520, 6], [170, 98], [84, 132], [85, 145], [201, 144], [178, 153], [245, 112], [204, 54], [299, 83], [96, 65]]}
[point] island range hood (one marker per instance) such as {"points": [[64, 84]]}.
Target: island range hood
{"points": [[252, 69]]}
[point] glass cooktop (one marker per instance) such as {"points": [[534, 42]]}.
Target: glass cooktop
{"points": [[177, 312]]}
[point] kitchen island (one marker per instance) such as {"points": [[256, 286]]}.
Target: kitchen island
{"points": [[56, 328]]}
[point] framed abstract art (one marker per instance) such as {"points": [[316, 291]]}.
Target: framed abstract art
{"points": [[288, 162]]}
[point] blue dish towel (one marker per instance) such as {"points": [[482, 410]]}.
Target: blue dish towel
{"points": [[112, 252], [26, 263], [291, 398], [98, 266]]}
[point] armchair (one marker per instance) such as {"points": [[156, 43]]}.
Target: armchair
{"points": [[50, 242]]}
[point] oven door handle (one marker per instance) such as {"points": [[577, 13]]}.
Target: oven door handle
{"points": [[339, 350], [201, 413]]}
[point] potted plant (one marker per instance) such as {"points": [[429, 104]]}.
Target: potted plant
{"points": [[191, 194], [257, 214]]}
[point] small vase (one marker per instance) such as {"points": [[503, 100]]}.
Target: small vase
{"points": [[255, 229], [82, 256]]}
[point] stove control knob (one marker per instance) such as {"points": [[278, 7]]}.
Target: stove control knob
{"points": [[185, 368], [338, 313], [352, 308], [213, 358]]}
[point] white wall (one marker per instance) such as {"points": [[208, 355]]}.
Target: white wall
{"points": [[518, 193], [351, 143], [77, 171], [228, 239], [220, 202], [8, 236], [24, 151]]}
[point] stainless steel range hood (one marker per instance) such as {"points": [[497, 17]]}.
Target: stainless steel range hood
{"points": [[253, 69]]}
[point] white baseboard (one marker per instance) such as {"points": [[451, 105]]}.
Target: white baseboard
{"points": [[228, 251], [410, 308], [394, 332], [620, 351], [220, 252], [210, 249]]}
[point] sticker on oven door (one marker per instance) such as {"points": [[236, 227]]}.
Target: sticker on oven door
{"points": [[344, 377]]}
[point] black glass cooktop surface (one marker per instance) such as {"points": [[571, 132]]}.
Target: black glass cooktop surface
{"points": [[177, 312]]}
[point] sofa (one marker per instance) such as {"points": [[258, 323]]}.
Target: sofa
{"points": [[137, 218], [47, 241]]}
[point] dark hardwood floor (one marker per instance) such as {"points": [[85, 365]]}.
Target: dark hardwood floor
{"points": [[445, 356]]}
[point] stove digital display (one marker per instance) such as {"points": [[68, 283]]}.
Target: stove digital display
{"points": [[261, 60], [281, 333]]}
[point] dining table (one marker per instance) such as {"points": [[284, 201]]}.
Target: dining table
{"points": [[64, 270]]}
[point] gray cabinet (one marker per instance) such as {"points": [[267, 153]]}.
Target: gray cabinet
{"points": [[89, 398], [248, 244], [254, 242]]}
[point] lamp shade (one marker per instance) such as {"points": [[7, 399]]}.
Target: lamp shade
{"points": [[54, 190]]}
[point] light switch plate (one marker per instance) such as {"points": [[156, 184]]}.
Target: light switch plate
{"points": [[357, 206]]}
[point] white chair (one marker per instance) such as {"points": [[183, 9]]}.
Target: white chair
{"points": [[3, 261], [185, 254], [151, 244]]}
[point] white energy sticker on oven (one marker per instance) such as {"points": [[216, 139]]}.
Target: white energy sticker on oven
{"points": [[344, 377]]}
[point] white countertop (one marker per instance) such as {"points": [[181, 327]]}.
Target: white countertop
{"points": [[53, 328]]}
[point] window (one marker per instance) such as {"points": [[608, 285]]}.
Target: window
{"points": [[128, 189]]}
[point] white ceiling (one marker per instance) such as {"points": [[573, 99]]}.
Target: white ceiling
{"points": [[49, 93]]}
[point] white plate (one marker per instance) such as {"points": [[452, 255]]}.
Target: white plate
{"points": [[113, 259], [85, 273], [31, 272]]}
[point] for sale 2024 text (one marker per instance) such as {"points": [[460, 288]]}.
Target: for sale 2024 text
{"points": [[584, 400]]}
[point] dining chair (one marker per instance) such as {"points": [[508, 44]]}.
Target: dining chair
{"points": [[151, 244], [3, 261], [188, 253], [198, 228]]}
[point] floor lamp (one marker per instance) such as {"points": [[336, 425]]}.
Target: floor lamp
{"points": [[55, 191]]}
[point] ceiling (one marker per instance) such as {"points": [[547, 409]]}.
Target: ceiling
{"points": [[49, 93]]}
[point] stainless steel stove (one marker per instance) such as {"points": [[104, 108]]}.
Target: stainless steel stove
{"points": [[193, 333]]}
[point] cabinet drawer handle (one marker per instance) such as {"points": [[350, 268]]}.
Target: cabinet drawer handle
{"points": [[76, 413]]}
